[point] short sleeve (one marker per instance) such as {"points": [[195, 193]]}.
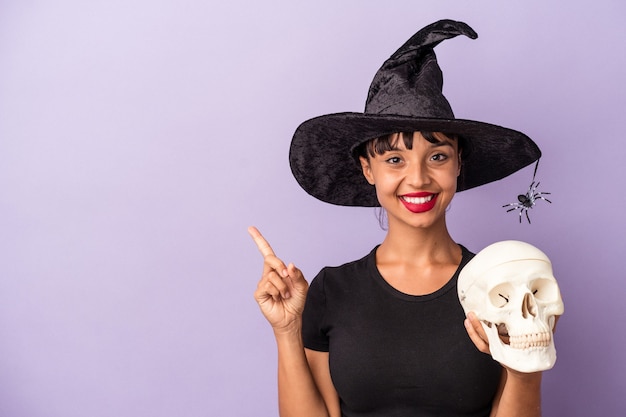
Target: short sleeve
{"points": [[313, 334]]}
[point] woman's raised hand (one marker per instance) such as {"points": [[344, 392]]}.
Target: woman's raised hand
{"points": [[281, 292]]}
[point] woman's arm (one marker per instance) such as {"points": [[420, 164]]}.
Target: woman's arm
{"points": [[298, 393], [519, 394], [320, 369], [280, 294]]}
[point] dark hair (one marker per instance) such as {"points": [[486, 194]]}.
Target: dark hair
{"points": [[379, 146]]}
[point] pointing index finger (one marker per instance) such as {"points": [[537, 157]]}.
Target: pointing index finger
{"points": [[261, 243]]}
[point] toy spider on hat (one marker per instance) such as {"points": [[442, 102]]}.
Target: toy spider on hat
{"points": [[527, 201]]}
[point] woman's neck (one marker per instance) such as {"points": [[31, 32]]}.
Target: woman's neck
{"points": [[419, 245], [418, 261]]}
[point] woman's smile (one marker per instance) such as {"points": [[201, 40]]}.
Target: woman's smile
{"points": [[419, 202]]}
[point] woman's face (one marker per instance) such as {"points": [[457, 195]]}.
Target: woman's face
{"points": [[415, 186]]}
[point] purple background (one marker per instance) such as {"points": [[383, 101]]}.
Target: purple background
{"points": [[139, 139]]}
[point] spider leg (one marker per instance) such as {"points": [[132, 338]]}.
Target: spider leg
{"points": [[539, 196], [527, 217], [511, 209]]}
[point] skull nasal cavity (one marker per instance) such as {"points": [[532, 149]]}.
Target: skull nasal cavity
{"points": [[529, 308]]}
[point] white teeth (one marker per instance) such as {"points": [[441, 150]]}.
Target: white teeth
{"points": [[527, 341], [524, 341], [417, 200]]}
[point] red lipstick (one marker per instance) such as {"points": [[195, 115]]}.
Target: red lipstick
{"points": [[419, 202]]}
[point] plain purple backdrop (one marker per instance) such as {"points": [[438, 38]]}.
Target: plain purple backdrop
{"points": [[139, 139]]}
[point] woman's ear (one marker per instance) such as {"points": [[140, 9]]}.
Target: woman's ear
{"points": [[367, 169], [458, 171]]}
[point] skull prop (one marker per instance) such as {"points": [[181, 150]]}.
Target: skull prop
{"points": [[510, 287]]}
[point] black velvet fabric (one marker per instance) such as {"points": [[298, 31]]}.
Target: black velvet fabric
{"points": [[405, 95]]}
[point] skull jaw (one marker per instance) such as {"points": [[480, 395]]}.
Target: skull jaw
{"points": [[530, 359]]}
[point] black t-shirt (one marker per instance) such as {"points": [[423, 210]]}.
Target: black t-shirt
{"points": [[394, 354]]}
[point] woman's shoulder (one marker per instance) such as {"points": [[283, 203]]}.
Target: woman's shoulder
{"points": [[349, 269], [467, 254], [357, 263]]}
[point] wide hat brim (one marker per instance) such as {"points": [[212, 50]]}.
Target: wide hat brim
{"points": [[404, 96], [323, 162]]}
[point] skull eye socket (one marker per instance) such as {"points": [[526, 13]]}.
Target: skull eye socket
{"points": [[500, 295], [545, 289]]}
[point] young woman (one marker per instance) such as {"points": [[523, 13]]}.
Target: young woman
{"points": [[386, 335]]}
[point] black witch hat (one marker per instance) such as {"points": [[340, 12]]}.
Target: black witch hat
{"points": [[405, 96]]}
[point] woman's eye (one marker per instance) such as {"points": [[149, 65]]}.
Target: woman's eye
{"points": [[439, 157], [394, 160]]}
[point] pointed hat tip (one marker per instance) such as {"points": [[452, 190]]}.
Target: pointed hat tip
{"points": [[433, 34], [460, 28]]}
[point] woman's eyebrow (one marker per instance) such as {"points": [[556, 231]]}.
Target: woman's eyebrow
{"points": [[442, 143]]}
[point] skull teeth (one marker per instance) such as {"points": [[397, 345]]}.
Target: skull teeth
{"points": [[522, 341], [532, 340]]}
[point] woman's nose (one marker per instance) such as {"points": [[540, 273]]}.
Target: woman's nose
{"points": [[418, 174]]}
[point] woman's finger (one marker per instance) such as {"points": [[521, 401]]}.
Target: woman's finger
{"points": [[263, 245], [271, 261], [476, 333], [296, 278], [279, 284]]}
